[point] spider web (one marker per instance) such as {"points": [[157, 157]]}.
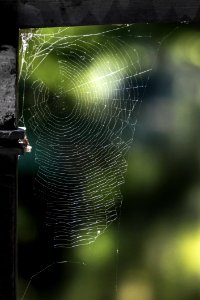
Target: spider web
{"points": [[83, 115]]}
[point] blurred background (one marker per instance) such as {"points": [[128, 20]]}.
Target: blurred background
{"points": [[152, 251]]}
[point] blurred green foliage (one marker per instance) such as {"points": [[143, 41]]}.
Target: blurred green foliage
{"points": [[153, 251]]}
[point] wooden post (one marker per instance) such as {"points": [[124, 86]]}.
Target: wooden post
{"points": [[11, 145]]}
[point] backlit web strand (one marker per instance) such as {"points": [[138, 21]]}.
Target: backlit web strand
{"points": [[84, 124]]}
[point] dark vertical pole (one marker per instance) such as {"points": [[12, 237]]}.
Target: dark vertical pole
{"points": [[9, 151], [11, 145], [8, 165]]}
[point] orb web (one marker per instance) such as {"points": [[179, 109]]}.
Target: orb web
{"points": [[79, 93]]}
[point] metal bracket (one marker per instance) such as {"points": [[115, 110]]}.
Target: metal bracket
{"points": [[14, 141]]}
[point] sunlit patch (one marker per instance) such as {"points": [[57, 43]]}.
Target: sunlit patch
{"points": [[100, 252], [104, 78], [186, 48], [109, 74], [188, 251], [135, 290], [175, 251]]}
